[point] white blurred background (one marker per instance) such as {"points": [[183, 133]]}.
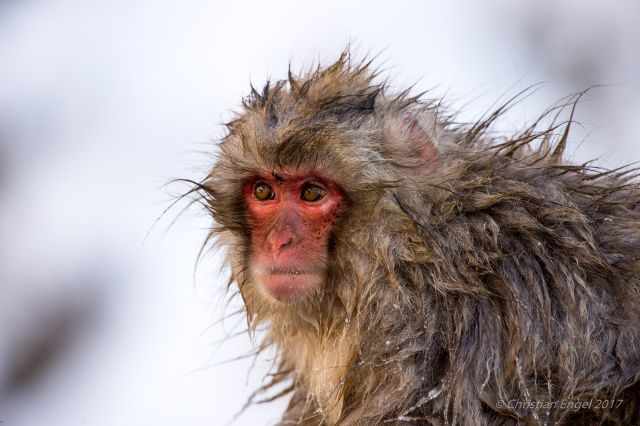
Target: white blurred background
{"points": [[102, 103]]}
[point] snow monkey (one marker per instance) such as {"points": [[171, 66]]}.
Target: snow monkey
{"points": [[413, 270]]}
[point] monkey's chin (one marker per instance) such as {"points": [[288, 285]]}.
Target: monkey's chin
{"points": [[289, 287]]}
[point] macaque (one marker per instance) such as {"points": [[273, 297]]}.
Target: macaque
{"points": [[414, 270]]}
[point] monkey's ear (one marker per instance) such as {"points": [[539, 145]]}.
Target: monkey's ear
{"points": [[409, 145]]}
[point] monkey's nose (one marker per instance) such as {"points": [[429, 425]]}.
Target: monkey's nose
{"points": [[280, 240]]}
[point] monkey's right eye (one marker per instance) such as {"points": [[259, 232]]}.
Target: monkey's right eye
{"points": [[263, 192]]}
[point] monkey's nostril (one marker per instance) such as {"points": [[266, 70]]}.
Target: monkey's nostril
{"points": [[286, 242]]}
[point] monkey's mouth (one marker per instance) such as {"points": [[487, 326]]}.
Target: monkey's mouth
{"points": [[287, 284], [287, 271]]}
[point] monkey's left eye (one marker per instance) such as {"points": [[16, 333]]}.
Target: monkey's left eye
{"points": [[312, 193]]}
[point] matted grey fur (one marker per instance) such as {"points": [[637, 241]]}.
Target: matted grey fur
{"points": [[473, 280]]}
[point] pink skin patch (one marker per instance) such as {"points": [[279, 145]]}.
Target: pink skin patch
{"points": [[290, 235]]}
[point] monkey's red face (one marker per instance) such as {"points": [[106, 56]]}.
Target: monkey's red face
{"points": [[291, 218]]}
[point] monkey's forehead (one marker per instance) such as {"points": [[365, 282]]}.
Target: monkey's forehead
{"points": [[269, 162]]}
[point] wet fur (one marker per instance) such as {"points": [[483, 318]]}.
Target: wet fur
{"points": [[465, 269]]}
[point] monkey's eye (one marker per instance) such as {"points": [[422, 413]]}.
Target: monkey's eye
{"points": [[312, 193], [263, 192]]}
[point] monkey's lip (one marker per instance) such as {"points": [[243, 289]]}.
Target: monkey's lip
{"points": [[289, 283]]}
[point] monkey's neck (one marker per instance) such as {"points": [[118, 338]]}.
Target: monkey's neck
{"points": [[321, 365]]}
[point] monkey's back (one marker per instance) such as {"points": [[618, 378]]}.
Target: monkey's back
{"points": [[532, 289]]}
